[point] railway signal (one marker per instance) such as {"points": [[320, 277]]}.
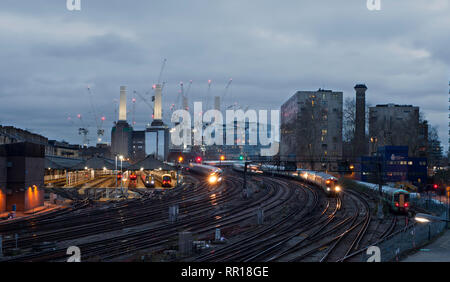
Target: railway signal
{"points": [[198, 160]]}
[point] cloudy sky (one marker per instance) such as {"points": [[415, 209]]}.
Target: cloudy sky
{"points": [[270, 49]]}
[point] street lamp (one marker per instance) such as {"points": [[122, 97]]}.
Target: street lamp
{"points": [[121, 173], [427, 218], [180, 160]]}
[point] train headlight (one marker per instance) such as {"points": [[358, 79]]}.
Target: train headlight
{"points": [[220, 179], [338, 189], [328, 189], [212, 179]]}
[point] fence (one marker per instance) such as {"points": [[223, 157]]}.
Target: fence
{"points": [[412, 237]]}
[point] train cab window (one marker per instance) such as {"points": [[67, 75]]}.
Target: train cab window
{"points": [[166, 178]]}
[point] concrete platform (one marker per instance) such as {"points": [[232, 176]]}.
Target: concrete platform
{"points": [[437, 251]]}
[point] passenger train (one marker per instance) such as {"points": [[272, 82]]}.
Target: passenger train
{"points": [[164, 178], [148, 180], [213, 174], [397, 199], [326, 182]]}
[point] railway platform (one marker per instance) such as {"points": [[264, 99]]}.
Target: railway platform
{"points": [[436, 251]]}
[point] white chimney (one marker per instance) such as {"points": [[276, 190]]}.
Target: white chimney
{"points": [[158, 103], [123, 103], [217, 103]]}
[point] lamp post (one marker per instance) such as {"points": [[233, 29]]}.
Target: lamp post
{"points": [[180, 160], [121, 173], [378, 167], [116, 169], [448, 206]]}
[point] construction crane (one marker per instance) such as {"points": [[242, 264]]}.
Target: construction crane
{"points": [[161, 71], [83, 131], [207, 94], [180, 97], [133, 113], [226, 90], [186, 97], [98, 122]]}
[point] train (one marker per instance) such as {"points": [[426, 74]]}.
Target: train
{"points": [[398, 200], [148, 180], [133, 176], [328, 183], [213, 174], [163, 177]]}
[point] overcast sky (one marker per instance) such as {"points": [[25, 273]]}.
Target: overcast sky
{"points": [[270, 49]]}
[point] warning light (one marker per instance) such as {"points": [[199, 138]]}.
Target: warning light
{"points": [[198, 159]]}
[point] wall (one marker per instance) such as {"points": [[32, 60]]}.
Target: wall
{"points": [[25, 176], [2, 180]]}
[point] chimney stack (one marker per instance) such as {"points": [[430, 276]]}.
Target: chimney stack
{"points": [[157, 111], [217, 103], [360, 124], [123, 104]]}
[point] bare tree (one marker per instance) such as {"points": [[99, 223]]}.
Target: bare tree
{"points": [[349, 119], [434, 150]]}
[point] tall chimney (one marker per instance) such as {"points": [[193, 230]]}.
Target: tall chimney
{"points": [[360, 124], [217, 103], [157, 111], [123, 103], [185, 103]]}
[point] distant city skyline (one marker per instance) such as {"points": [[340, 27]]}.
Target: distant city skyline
{"points": [[269, 49]]}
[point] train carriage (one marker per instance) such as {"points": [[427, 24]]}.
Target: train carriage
{"points": [[148, 180], [213, 174]]}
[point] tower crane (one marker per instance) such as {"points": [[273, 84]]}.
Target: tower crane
{"points": [[83, 131], [186, 97], [180, 96], [98, 122], [207, 94], [161, 71]]}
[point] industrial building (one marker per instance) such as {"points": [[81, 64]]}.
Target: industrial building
{"points": [[122, 132], [22, 176], [311, 129], [397, 125]]}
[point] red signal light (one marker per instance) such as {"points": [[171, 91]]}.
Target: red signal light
{"points": [[396, 204], [198, 159], [406, 205], [435, 186]]}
